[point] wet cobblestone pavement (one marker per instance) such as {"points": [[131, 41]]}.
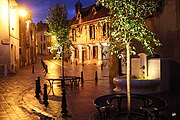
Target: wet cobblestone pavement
{"points": [[17, 92], [18, 101]]}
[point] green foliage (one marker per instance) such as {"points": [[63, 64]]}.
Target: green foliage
{"points": [[58, 27], [127, 18]]}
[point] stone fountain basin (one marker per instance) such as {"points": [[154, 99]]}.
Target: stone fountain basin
{"points": [[138, 86]]}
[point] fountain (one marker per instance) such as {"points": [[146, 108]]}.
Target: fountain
{"points": [[147, 76]]}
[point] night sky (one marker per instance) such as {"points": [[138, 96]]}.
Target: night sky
{"points": [[39, 8]]}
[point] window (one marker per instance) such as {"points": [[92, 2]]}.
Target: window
{"points": [[92, 31], [44, 46], [108, 33], [73, 35], [95, 52], [41, 48], [44, 37], [76, 53], [31, 34], [106, 29]]}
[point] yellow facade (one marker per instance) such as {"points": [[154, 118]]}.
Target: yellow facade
{"points": [[90, 37], [15, 30], [9, 36]]}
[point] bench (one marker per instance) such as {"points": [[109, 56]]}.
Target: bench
{"points": [[141, 105], [102, 105], [153, 110], [74, 80], [119, 105]]}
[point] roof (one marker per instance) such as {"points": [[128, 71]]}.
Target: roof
{"points": [[42, 26], [90, 13]]}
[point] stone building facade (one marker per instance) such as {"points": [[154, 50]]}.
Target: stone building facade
{"points": [[17, 38], [89, 36], [9, 37], [44, 42], [28, 42], [89, 39]]}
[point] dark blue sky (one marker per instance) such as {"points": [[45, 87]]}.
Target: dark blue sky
{"points": [[39, 8]]}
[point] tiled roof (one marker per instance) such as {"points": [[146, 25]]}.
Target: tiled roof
{"points": [[91, 12]]}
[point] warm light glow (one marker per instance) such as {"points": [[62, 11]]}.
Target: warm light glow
{"points": [[12, 18], [154, 68], [79, 45], [98, 44], [22, 12], [104, 44], [4, 14], [4, 8], [28, 22], [48, 48], [90, 44], [53, 37]]}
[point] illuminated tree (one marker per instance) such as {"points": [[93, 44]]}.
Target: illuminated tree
{"points": [[58, 27], [127, 19]]}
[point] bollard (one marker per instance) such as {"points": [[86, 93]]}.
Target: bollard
{"points": [[45, 96], [82, 78], [101, 66], [96, 77], [32, 68], [76, 62], [38, 88]]}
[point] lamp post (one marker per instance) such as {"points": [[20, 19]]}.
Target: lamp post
{"points": [[64, 111]]}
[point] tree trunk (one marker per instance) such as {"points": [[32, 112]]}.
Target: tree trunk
{"points": [[128, 82], [113, 67]]}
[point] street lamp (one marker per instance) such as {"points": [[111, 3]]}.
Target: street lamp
{"points": [[22, 12], [64, 111]]}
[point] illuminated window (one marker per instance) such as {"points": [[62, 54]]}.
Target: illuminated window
{"points": [[76, 53], [92, 31], [28, 22], [95, 52]]}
